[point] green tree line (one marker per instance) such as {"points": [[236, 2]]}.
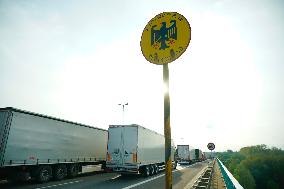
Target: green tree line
{"points": [[256, 167]]}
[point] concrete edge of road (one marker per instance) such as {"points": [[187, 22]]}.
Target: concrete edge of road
{"points": [[145, 181], [153, 178], [191, 183]]}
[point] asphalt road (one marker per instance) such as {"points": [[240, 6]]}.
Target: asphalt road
{"points": [[183, 177]]}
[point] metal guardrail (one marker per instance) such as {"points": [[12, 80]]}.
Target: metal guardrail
{"points": [[230, 181], [204, 180]]}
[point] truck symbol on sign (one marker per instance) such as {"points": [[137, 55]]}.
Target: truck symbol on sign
{"points": [[211, 146]]}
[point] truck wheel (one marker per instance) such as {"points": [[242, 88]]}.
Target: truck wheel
{"points": [[103, 167], [59, 172], [43, 173], [152, 169], [72, 170], [156, 169], [146, 171], [175, 165]]}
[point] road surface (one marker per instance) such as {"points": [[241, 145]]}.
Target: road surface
{"points": [[183, 177]]}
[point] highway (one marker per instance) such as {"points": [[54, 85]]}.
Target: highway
{"points": [[183, 177]]}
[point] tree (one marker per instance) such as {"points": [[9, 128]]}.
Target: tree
{"points": [[254, 150], [245, 178], [256, 166], [271, 184]]}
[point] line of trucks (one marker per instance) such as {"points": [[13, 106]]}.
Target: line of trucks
{"points": [[40, 147], [188, 154]]}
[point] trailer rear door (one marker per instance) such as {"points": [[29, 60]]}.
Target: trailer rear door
{"points": [[183, 152], [122, 145], [130, 139]]}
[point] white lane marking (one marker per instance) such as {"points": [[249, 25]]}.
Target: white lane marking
{"points": [[179, 167], [115, 177], [145, 181], [65, 183]]}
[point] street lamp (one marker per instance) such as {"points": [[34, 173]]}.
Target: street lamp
{"points": [[126, 104]]}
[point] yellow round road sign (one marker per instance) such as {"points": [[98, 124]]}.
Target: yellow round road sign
{"points": [[165, 38]]}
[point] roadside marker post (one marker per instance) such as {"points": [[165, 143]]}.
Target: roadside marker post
{"points": [[211, 146]]}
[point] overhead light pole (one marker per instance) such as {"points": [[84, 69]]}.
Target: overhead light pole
{"points": [[126, 104]]}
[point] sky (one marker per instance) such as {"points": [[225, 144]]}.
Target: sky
{"points": [[77, 60]]}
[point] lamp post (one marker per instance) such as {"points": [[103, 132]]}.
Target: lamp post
{"points": [[126, 104]]}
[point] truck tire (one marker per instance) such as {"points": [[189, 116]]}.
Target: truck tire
{"points": [[146, 171], [43, 173], [59, 172], [174, 165], [103, 166], [156, 169], [72, 170], [152, 169]]}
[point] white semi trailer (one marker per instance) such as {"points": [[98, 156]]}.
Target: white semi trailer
{"points": [[183, 154], [133, 149], [196, 155], [43, 147]]}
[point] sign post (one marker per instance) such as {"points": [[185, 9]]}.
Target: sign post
{"points": [[167, 128], [211, 146], [164, 39]]}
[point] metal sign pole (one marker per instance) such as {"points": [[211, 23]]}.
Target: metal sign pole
{"points": [[211, 146], [167, 128], [164, 39]]}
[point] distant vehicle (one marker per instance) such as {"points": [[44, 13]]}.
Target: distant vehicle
{"points": [[183, 154], [43, 147], [203, 156], [209, 155], [133, 149], [196, 155]]}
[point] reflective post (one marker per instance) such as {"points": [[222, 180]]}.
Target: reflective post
{"points": [[167, 127]]}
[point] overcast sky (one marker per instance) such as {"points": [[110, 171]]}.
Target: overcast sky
{"points": [[77, 60]]}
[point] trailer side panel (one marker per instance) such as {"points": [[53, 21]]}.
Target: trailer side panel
{"points": [[35, 139], [151, 147]]}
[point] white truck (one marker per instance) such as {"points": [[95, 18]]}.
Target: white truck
{"points": [[43, 147], [133, 149], [196, 155], [183, 154]]}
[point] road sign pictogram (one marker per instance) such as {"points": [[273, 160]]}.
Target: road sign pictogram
{"points": [[165, 38], [211, 146]]}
